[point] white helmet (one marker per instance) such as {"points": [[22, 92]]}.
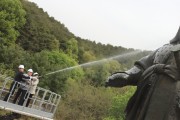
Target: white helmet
{"points": [[30, 70], [21, 66], [35, 74]]}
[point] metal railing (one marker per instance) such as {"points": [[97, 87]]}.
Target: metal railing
{"points": [[43, 100]]}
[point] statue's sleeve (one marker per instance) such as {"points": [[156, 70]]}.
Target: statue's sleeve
{"points": [[139, 67], [146, 61]]}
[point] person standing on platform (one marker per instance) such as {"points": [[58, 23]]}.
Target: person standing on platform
{"points": [[18, 77], [33, 86], [23, 87]]}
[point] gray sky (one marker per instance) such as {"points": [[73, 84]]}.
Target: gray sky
{"points": [[139, 24]]}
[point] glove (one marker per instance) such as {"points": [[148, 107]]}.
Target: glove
{"points": [[117, 80], [34, 78]]}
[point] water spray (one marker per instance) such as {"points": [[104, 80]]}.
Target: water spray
{"points": [[97, 62]]}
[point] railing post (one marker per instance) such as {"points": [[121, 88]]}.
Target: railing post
{"points": [[10, 93], [53, 102], [35, 96], [49, 100], [4, 85], [26, 97], [42, 100], [56, 104]]}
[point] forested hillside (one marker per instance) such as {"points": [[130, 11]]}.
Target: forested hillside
{"points": [[29, 36]]}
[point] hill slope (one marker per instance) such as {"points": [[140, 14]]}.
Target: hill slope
{"points": [[43, 32]]}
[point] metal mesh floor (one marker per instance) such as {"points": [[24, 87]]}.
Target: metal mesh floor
{"points": [[25, 110]]}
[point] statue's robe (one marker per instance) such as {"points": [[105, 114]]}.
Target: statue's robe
{"points": [[158, 90]]}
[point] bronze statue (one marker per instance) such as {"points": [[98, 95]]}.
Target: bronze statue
{"points": [[157, 77]]}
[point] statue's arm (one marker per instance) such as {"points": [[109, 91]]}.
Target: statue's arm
{"points": [[131, 76]]}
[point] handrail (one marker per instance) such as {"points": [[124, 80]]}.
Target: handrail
{"points": [[43, 100]]}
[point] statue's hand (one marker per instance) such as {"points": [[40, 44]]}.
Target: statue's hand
{"points": [[117, 80]]}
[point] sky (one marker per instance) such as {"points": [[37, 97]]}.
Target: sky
{"points": [[138, 24]]}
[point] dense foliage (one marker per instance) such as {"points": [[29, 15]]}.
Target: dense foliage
{"points": [[11, 19], [29, 36]]}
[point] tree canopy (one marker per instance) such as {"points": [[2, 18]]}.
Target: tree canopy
{"points": [[12, 18]]}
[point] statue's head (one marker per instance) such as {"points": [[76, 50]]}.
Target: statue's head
{"points": [[176, 39]]}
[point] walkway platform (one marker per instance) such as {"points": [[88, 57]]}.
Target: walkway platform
{"points": [[43, 104]]}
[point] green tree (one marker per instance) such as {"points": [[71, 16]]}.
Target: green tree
{"points": [[84, 102], [97, 74], [119, 102], [12, 18], [72, 48], [42, 32], [88, 56], [12, 56], [47, 62]]}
